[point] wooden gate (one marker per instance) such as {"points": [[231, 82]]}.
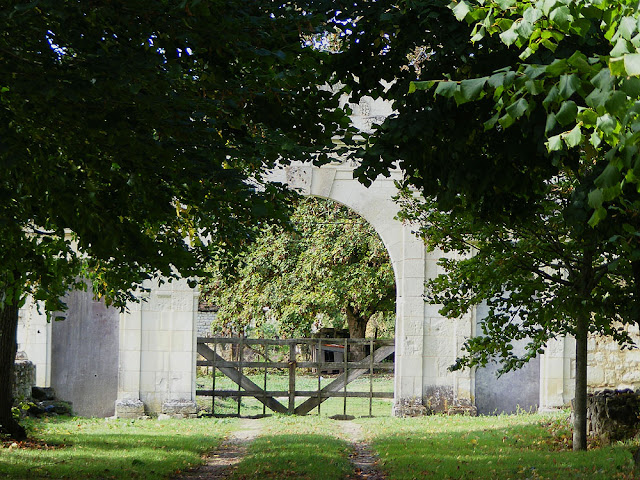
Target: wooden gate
{"points": [[301, 353]]}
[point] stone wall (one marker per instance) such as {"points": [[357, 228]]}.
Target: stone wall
{"points": [[610, 367], [204, 320]]}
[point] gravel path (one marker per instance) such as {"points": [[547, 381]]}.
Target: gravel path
{"points": [[220, 462], [363, 459]]}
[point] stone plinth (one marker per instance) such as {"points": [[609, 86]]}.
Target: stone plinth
{"points": [[180, 408], [24, 378], [129, 408], [410, 407]]}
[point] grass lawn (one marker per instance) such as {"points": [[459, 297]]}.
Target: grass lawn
{"points": [[296, 448], [502, 447], [438, 447], [73, 448], [357, 407]]}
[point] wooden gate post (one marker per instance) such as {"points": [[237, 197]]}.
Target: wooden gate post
{"points": [[292, 378]]}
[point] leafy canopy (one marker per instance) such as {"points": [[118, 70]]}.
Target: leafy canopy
{"points": [[330, 266], [130, 131]]}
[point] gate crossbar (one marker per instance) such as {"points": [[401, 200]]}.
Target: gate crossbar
{"points": [[337, 388]]}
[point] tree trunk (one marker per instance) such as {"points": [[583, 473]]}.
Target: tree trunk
{"points": [[580, 401], [357, 329], [8, 347]]}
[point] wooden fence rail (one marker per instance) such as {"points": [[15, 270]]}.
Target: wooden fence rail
{"points": [[351, 368]]}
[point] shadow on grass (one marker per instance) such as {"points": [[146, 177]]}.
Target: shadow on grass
{"points": [[305, 456], [495, 452], [112, 455]]}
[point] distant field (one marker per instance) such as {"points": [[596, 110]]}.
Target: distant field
{"points": [[357, 407]]}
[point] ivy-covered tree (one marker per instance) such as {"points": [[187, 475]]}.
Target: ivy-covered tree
{"points": [[131, 130], [516, 112], [329, 265]]}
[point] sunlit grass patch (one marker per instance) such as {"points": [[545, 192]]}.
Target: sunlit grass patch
{"points": [[112, 449], [498, 447], [296, 447]]}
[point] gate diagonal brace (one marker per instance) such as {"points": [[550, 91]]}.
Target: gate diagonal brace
{"points": [[242, 380], [339, 383]]}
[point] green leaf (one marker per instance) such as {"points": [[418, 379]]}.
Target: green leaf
{"points": [[551, 97], [568, 85], [627, 27], [548, 5], [579, 60], [596, 98], [532, 15], [621, 48], [561, 16], [616, 103], [554, 143], [558, 66], [603, 80], [596, 197], [496, 80], [461, 9], [567, 113], [425, 85], [574, 137], [609, 177], [518, 108], [509, 37], [471, 89], [631, 86], [607, 124], [550, 123], [598, 215], [587, 116], [632, 64], [505, 4], [617, 67], [446, 89], [506, 120]]}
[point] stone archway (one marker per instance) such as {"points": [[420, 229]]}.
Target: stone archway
{"points": [[425, 346]]}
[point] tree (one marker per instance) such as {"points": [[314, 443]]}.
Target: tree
{"points": [[130, 132], [524, 114], [330, 264]]}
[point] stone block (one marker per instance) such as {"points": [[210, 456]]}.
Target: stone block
{"points": [[469, 410], [595, 375], [24, 378], [438, 397], [129, 408], [180, 408], [410, 407]]}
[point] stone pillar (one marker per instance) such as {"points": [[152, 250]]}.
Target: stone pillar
{"points": [[557, 373], [410, 307], [34, 338], [128, 404], [158, 353]]}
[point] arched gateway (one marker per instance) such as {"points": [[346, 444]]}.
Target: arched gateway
{"points": [[144, 360]]}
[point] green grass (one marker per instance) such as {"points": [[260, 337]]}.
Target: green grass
{"points": [[499, 448], [503, 447], [111, 449], [296, 447], [357, 407]]}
